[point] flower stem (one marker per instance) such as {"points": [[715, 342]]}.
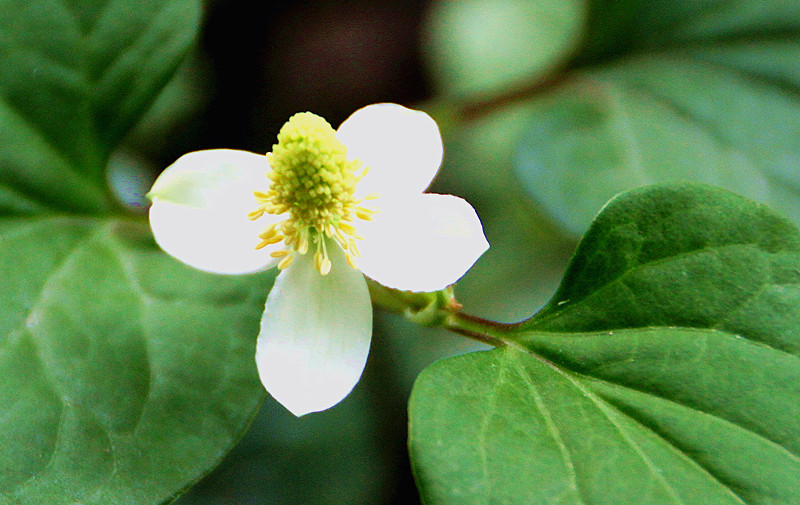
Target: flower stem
{"points": [[441, 309], [483, 330]]}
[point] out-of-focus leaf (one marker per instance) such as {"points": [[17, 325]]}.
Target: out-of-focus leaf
{"points": [[703, 91], [74, 77], [664, 371], [125, 375], [171, 121], [482, 47]]}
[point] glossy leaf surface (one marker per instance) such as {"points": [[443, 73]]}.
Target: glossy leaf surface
{"points": [[664, 370]]}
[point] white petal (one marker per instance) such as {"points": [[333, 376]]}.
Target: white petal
{"points": [[211, 177], [401, 147], [423, 243], [200, 207], [315, 334]]}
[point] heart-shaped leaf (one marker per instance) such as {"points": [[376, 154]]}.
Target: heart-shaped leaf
{"points": [[701, 91], [123, 375], [664, 371]]}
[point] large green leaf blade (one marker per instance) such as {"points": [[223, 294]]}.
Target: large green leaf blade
{"points": [[74, 77], [701, 91], [507, 426], [126, 376], [664, 370]]}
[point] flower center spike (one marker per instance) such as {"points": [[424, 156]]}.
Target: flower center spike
{"points": [[312, 183]]}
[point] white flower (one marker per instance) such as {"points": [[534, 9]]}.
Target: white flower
{"points": [[323, 206]]}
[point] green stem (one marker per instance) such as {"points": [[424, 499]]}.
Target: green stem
{"points": [[483, 330], [398, 302], [440, 309]]}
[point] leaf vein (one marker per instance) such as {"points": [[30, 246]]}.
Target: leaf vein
{"points": [[674, 447], [548, 418], [128, 271], [791, 455], [603, 407]]}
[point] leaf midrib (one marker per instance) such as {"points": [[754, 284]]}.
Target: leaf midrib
{"points": [[553, 429], [564, 368]]}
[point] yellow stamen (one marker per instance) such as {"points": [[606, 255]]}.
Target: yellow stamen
{"points": [[269, 241], [325, 267], [365, 213], [302, 247], [318, 257], [255, 214], [347, 228], [350, 260], [275, 209], [285, 262], [269, 232], [312, 184]]}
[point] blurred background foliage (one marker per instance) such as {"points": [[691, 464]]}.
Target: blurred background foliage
{"points": [[547, 108]]}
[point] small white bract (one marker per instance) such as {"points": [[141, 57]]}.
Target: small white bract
{"points": [[324, 207]]}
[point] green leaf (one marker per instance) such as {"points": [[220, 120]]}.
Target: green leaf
{"points": [[700, 91], [664, 371], [480, 47], [75, 75], [125, 376]]}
